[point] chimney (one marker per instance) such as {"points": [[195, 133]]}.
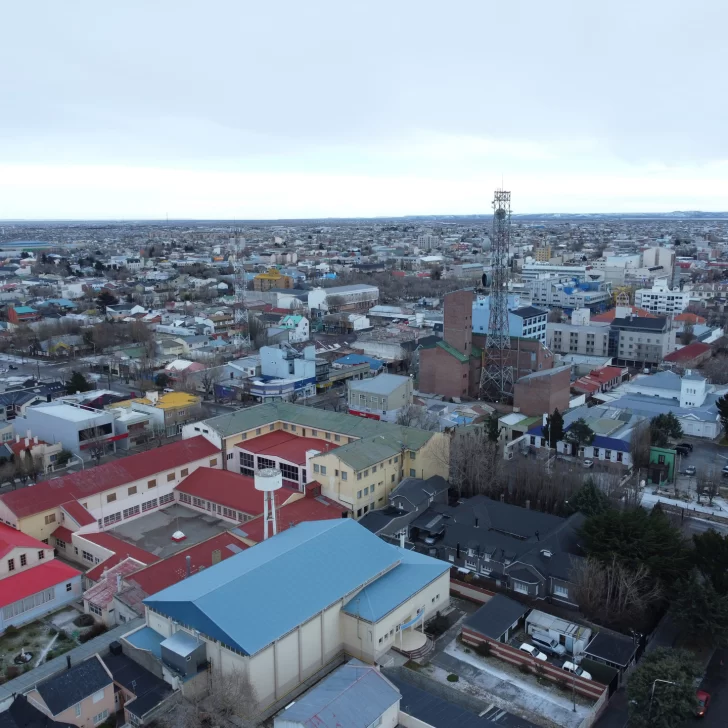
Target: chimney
{"points": [[188, 565], [27, 434], [17, 438], [118, 583], [401, 539], [35, 439], [27, 442]]}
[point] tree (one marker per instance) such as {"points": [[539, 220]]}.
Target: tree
{"points": [[663, 428], [492, 427], [636, 537], [590, 500], [208, 378], [162, 380], [688, 333], [436, 273], [105, 299], [701, 610], [95, 444], [716, 369], [661, 690], [722, 405], [640, 443], [77, 383], [554, 316], [413, 415], [579, 433], [553, 430], [614, 594], [710, 556]]}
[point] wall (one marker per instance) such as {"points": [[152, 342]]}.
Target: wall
{"points": [[31, 557], [441, 373], [62, 597]]}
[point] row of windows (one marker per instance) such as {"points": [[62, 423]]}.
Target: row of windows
{"points": [[31, 602], [24, 560], [214, 508]]}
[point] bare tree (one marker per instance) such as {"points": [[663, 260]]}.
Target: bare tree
{"points": [[208, 378], [716, 369], [95, 444], [640, 445], [413, 415]]}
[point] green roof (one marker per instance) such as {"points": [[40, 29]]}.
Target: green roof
{"points": [[375, 440], [462, 358]]}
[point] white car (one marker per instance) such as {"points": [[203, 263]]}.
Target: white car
{"points": [[576, 670], [537, 654], [588, 463]]}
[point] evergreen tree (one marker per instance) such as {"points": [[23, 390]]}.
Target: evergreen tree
{"points": [[700, 609], [590, 500], [553, 430], [492, 427], [722, 405], [580, 433], [77, 383]]}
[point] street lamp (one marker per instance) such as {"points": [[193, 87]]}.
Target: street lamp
{"points": [[652, 694]]}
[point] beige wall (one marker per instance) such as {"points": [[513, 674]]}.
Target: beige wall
{"points": [[31, 557]]}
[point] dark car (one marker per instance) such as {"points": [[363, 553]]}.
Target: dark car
{"points": [[12, 366], [683, 451], [703, 699], [685, 444]]}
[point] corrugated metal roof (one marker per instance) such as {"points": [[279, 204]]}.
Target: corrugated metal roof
{"points": [[279, 584], [352, 696]]}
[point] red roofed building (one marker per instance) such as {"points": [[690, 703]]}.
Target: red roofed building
{"points": [[98, 600], [600, 380], [112, 492], [609, 316], [32, 582], [104, 551], [283, 450], [689, 318], [690, 356]]}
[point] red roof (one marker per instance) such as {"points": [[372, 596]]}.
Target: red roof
{"points": [[605, 374], [689, 352], [34, 580], [609, 316], [78, 513], [693, 318], [103, 591], [11, 538], [225, 488], [121, 549], [585, 384], [166, 572], [286, 446], [305, 509], [63, 533], [18, 447], [52, 493]]}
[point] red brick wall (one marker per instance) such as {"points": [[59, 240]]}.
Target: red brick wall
{"points": [[458, 320], [543, 394], [441, 373], [588, 688]]}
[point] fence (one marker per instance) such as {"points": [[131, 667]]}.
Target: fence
{"points": [[469, 591], [587, 688]]}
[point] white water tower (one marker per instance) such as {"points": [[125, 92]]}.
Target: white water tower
{"points": [[269, 480]]}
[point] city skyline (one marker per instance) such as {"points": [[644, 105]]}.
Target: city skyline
{"points": [[334, 112]]}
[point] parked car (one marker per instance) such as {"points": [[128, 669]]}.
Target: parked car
{"points": [[690, 470], [588, 463], [725, 471], [682, 450], [685, 445], [12, 366], [576, 670], [547, 643], [703, 702], [531, 650]]}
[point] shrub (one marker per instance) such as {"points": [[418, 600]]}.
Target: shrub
{"points": [[83, 620], [95, 631], [11, 631], [52, 631], [452, 678], [524, 668], [483, 649], [12, 671]]}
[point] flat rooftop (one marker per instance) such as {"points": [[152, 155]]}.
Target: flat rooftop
{"points": [[153, 531], [71, 413]]}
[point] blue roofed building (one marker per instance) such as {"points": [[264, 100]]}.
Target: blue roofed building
{"points": [[298, 603], [351, 360]]}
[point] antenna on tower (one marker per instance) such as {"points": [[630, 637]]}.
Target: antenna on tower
{"points": [[496, 380], [241, 337]]}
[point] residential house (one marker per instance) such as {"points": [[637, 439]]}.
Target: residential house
{"points": [[380, 397]]}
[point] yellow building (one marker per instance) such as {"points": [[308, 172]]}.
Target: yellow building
{"points": [[272, 278], [542, 254]]}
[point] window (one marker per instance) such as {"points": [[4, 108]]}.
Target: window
{"points": [[152, 483], [315, 468], [358, 513], [392, 480], [230, 455], [60, 544], [97, 696], [50, 518], [520, 587], [113, 518], [257, 431], [323, 470], [344, 475], [148, 505], [293, 428], [69, 587], [132, 490], [129, 512], [285, 425], [213, 463], [184, 472], [184, 498], [374, 469], [289, 472], [87, 556], [560, 591], [328, 435], [101, 717], [170, 477], [247, 464], [413, 473], [25, 605], [77, 708], [337, 438], [163, 499], [607, 454], [24, 560], [265, 463], [314, 433], [358, 476], [358, 494], [11, 564], [41, 556]]}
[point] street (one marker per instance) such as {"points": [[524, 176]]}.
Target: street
{"points": [[714, 683]]}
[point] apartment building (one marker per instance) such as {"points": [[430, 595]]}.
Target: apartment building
{"points": [[590, 340], [568, 293], [355, 297], [527, 322], [661, 299], [640, 341]]}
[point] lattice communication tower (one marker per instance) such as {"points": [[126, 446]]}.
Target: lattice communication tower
{"points": [[496, 381], [241, 337]]}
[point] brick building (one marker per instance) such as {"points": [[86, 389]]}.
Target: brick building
{"points": [[452, 366], [543, 392]]}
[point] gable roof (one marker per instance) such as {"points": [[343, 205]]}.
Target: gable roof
{"points": [[77, 486], [69, 687], [31, 581], [686, 353], [21, 714], [11, 538], [120, 551], [225, 488], [496, 616], [318, 561]]}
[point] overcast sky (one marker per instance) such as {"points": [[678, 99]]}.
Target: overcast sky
{"points": [[238, 109]]}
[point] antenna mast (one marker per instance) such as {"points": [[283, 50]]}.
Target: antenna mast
{"points": [[496, 380], [241, 338]]}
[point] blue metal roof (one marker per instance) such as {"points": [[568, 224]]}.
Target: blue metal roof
{"points": [[262, 593], [379, 598], [354, 695], [610, 443], [351, 359]]}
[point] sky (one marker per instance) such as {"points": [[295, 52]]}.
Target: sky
{"points": [[230, 109]]}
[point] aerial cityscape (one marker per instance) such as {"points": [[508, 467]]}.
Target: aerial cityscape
{"points": [[363, 367]]}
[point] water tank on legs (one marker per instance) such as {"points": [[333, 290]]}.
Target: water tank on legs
{"points": [[268, 479]]}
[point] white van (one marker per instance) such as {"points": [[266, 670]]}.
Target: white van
{"points": [[547, 643]]}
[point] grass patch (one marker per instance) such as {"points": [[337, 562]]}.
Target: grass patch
{"points": [[412, 665]]}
